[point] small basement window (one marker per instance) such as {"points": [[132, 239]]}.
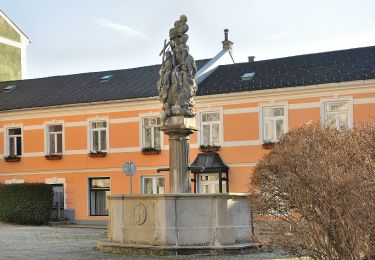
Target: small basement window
{"points": [[248, 76], [10, 88]]}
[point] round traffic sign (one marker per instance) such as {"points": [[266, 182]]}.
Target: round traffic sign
{"points": [[129, 168]]}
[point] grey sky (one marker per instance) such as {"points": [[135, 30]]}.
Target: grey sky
{"points": [[74, 36]]}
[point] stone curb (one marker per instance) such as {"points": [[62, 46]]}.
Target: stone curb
{"points": [[154, 250]]}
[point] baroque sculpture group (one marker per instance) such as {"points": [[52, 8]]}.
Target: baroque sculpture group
{"points": [[177, 84]]}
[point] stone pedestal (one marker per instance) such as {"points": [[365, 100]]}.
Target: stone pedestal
{"points": [[178, 224], [178, 129]]}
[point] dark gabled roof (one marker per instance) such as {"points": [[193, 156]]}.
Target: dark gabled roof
{"points": [[208, 162], [302, 70], [82, 88]]}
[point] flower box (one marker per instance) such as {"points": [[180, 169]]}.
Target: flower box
{"points": [[53, 156], [268, 145], [12, 158], [150, 151], [209, 148], [97, 154]]}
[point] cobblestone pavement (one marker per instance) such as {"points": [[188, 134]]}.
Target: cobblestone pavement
{"points": [[30, 242]]}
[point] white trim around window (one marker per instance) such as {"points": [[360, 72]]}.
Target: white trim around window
{"points": [[220, 122], [61, 181], [6, 138], [47, 132], [154, 184], [337, 99], [89, 195], [90, 121], [262, 128], [14, 181], [141, 129]]}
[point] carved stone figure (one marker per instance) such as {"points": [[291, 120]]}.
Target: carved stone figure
{"points": [[177, 83]]}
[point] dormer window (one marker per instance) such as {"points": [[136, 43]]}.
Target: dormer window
{"points": [[247, 76]]}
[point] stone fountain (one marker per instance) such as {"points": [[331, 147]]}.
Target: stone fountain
{"points": [[179, 222]]}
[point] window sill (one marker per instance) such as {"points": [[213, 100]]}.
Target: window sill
{"points": [[12, 158], [209, 148], [53, 156], [268, 145], [97, 154], [150, 151]]}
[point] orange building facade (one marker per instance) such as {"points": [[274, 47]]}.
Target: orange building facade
{"points": [[80, 148]]}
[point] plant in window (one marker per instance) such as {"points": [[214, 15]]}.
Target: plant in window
{"points": [[268, 144], [150, 150], [209, 148], [97, 153], [12, 158], [53, 156]]}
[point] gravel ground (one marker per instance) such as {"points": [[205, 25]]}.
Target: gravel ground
{"points": [[21, 242]]}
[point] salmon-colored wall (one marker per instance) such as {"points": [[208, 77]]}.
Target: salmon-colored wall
{"points": [[247, 130], [75, 138], [241, 149]]}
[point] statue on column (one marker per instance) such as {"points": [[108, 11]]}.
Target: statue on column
{"points": [[177, 83]]}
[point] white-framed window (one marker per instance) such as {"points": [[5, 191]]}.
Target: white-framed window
{"points": [[58, 196], [338, 113], [209, 183], [274, 123], [210, 128], [54, 139], [13, 141], [98, 135], [59, 192], [153, 184], [151, 134], [99, 189]]}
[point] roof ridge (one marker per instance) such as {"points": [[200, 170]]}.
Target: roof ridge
{"points": [[301, 55], [86, 73]]}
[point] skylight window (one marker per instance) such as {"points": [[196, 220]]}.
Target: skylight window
{"points": [[248, 76], [106, 78], [10, 88]]}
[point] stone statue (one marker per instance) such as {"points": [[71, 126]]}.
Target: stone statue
{"points": [[177, 83]]}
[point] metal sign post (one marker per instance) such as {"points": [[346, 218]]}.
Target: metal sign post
{"points": [[129, 169]]}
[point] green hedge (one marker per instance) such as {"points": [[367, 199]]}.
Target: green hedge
{"points": [[28, 203]]}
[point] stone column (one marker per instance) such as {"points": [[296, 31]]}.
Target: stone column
{"points": [[178, 129]]}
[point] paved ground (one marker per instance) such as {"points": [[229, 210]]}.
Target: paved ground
{"points": [[29, 242]]}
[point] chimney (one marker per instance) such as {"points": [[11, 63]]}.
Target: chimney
{"points": [[251, 58], [227, 45]]}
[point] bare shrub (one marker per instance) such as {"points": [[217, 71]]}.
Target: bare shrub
{"points": [[316, 191]]}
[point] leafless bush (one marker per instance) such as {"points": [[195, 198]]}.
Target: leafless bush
{"points": [[316, 190]]}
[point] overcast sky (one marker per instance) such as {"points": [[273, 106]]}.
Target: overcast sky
{"points": [[74, 36]]}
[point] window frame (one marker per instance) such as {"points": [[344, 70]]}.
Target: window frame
{"points": [[199, 188], [47, 150], [262, 119], [6, 139], [58, 185], [58, 181], [90, 135], [324, 101], [143, 132], [154, 183], [89, 193], [221, 126]]}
